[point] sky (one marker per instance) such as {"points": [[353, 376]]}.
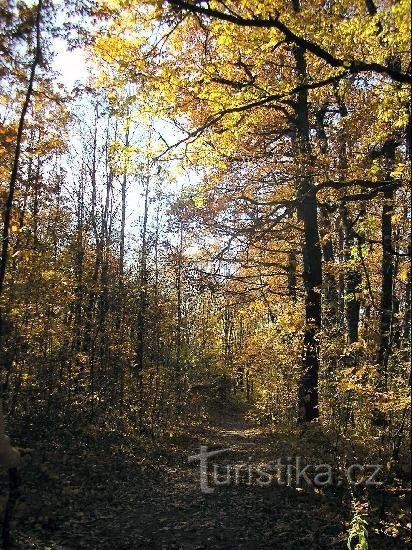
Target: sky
{"points": [[73, 69], [71, 65]]}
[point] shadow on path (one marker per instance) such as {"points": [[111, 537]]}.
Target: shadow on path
{"points": [[101, 502]]}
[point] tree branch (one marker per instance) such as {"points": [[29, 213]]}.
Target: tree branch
{"points": [[353, 66], [368, 184], [218, 116]]}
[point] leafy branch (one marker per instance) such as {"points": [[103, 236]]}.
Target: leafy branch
{"points": [[353, 66]]}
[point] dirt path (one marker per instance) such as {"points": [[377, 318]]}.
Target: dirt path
{"points": [[238, 515], [97, 502]]}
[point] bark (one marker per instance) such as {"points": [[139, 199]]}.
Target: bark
{"points": [[143, 303], [331, 313], [123, 213], [292, 279], [17, 152], [179, 304], [330, 319], [353, 279], [105, 240], [312, 256], [36, 204], [156, 291], [387, 276], [227, 319], [79, 253], [353, 276], [406, 333]]}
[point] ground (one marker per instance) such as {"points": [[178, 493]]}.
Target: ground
{"points": [[122, 498]]}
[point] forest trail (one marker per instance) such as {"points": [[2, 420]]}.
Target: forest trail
{"points": [[205, 207], [96, 501]]}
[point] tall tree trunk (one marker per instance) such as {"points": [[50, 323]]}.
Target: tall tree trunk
{"points": [[79, 254], [17, 151], [406, 332], [156, 289], [88, 339], [179, 304], [123, 211], [387, 274], [331, 314], [141, 315], [353, 279], [36, 204], [6, 356], [312, 256], [292, 263]]}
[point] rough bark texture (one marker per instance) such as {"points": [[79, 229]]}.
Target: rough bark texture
{"points": [[312, 255], [387, 275]]}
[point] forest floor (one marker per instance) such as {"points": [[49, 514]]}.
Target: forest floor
{"points": [[88, 497]]}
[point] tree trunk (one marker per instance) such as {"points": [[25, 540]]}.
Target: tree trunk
{"points": [[387, 277], [312, 256], [292, 275], [141, 316], [17, 153], [123, 214], [353, 280]]}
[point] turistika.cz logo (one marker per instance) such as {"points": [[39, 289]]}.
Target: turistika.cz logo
{"points": [[281, 472]]}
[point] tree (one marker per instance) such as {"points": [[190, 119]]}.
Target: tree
{"points": [[37, 56], [233, 92]]}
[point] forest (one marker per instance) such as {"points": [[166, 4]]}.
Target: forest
{"points": [[205, 278]]}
